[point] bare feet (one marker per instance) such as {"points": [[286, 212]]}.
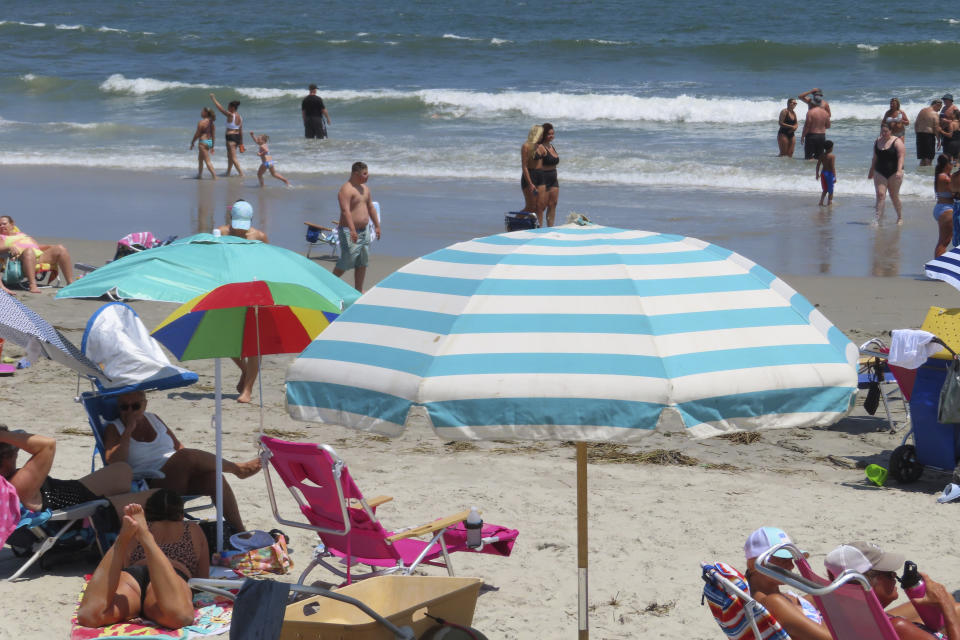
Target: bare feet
{"points": [[248, 468], [35, 289], [128, 528], [134, 512]]}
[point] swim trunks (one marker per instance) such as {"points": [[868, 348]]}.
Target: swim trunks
{"points": [[813, 145], [235, 138], [938, 210], [827, 180], [352, 254], [549, 178], [314, 127], [926, 146]]}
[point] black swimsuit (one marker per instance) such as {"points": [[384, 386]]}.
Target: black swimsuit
{"points": [[788, 131], [886, 164], [549, 176]]}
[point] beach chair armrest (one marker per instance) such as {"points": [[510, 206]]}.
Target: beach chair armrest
{"points": [[317, 226], [373, 503], [430, 527]]}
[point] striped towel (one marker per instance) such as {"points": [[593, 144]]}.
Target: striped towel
{"points": [[731, 611]]}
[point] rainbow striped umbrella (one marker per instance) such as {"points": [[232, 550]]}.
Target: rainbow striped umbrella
{"points": [[246, 319]]}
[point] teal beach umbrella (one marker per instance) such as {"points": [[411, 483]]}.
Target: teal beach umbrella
{"points": [[191, 266]]}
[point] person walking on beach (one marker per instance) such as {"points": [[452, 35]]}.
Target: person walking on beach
{"points": [[896, 118], [266, 160], [926, 126], [313, 112], [826, 172], [205, 135], [943, 209], [530, 163], [815, 125], [356, 212], [786, 135], [550, 187], [234, 136], [886, 171]]}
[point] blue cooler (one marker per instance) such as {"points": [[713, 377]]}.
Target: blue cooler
{"points": [[520, 221], [937, 444]]}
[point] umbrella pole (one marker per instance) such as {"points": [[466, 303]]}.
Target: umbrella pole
{"points": [[218, 422], [582, 610]]}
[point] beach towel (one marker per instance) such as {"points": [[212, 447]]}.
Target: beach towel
{"points": [[910, 348], [728, 610], [212, 616], [9, 509]]}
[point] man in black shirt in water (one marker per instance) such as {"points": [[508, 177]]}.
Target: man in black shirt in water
{"points": [[313, 113]]}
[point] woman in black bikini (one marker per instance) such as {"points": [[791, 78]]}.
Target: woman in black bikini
{"points": [[205, 134], [886, 171], [550, 189], [234, 135], [788, 126], [146, 570], [530, 169]]}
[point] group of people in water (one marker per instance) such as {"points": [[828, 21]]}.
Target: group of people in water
{"points": [[205, 138], [798, 614], [538, 174], [937, 126], [156, 552]]}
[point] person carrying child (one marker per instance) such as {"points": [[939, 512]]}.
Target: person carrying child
{"points": [[826, 172], [266, 160]]}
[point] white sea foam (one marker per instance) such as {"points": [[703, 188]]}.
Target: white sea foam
{"points": [[28, 77], [607, 42], [70, 27], [868, 47], [361, 34], [117, 83], [23, 24], [498, 41], [106, 29], [453, 36]]}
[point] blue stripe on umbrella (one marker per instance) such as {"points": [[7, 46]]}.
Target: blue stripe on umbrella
{"points": [[176, 336], [590, 260], [745, 405], [347, 398], [544, 411]]}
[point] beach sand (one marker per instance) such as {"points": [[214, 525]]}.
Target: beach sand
{"points": [[650, 524]]}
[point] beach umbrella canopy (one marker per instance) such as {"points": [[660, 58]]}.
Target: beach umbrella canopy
{"points": [[579, 332], [946, 267], [191, 266], [23, 326], [239, 320], [246, 319]]}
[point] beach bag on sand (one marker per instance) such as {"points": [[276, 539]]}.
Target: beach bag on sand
{"points": [[949, 408], [270, 559], [13, 273]]}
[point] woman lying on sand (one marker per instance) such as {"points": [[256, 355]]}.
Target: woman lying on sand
{"points": [[146, 570]]}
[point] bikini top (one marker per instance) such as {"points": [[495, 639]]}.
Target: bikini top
{"points": [[180, 550], [550, 160], [896, 118], [232, 123], [943, 194]]}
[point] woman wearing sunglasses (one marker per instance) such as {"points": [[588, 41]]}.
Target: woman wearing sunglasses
{"points": [[150, 447]]}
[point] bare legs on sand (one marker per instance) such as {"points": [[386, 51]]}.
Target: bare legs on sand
{"points": [[249, 368]]}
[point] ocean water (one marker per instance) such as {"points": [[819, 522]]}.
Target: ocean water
{"points": [[681, 94]]}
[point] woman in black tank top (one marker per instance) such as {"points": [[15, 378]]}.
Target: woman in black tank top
{"points": [[886, 171], [786, 138]]}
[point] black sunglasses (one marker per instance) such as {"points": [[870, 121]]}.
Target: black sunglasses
{"points": [[129, 407]]}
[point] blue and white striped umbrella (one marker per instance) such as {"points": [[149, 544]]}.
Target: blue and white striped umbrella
{"points": [[582, 333], [23, 326], [946, 267]]}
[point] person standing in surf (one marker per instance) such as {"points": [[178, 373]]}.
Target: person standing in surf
{"points": [[530, 170], [886, 171], [313, 112], [234, 136], [926, 126], [549, 187], [205, 135], [786, 135], [815, 125]]}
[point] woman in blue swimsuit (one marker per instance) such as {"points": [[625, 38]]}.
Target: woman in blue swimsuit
{"points": [[205, 134]]}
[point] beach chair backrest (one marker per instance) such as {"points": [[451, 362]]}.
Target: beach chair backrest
{"points": [[850, 611], [329, 498], [740, 616], [100, 410]]}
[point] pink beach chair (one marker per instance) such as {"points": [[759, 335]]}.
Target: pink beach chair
{"points": [[848, 604], [347, 523]]}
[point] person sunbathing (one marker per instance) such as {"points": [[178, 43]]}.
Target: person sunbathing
{"points": [[797, 615], [145, 572], [19, 246], [35, 488], [880, 568], [151, 448]]}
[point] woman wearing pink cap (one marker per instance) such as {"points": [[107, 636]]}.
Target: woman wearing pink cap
{"points": [[796, 614]]}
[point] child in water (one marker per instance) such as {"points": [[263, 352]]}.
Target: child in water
{"points": [[266, 161], [827, 171]]}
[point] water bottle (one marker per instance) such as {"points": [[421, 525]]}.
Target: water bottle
{"points": [[474, 526], [915, 588]]}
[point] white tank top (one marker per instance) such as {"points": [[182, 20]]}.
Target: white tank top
{"points": [[147, 458]]}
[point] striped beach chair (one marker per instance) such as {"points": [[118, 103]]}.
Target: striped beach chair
{"points": [[740, 617]]}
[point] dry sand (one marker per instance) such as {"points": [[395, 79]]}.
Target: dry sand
{"points": [[649, 524]]}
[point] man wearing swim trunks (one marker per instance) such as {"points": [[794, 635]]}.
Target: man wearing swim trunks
{"points": [[313, 112], [356, 212], [815, 125], [926, 126]]}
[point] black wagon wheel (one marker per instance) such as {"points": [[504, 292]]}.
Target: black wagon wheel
{"points": [[903, 464]]}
